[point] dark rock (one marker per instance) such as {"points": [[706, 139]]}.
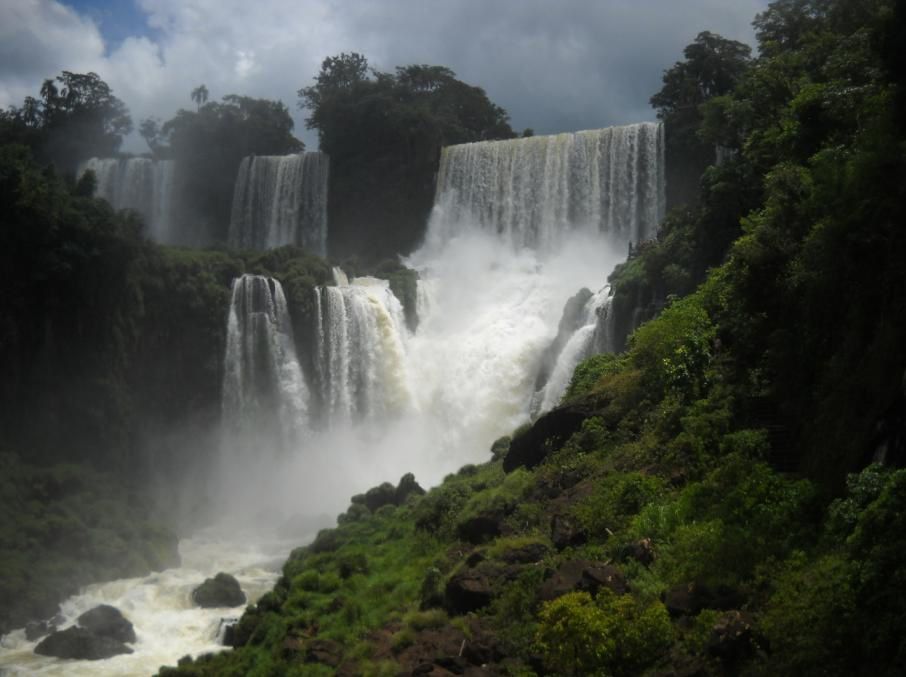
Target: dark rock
{"points": [[691, 598], [582, 575], [546, 435], [565, 533], [481, 528], [500, 447], [107, 621], [641, 551], [423, 669], [324, 651], [455, 664], [80, 644], [481, 651], [525, 554], [475, 558], [467, 591], [379, 496], [731, 637], [406, 488], [221, 591]]}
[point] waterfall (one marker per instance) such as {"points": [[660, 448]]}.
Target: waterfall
{"points": [[361, 363], [263, 385], [591, 334], [507, 245], [534, 192], [141, 184], [279, 200]]}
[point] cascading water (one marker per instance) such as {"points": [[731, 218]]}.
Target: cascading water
{"points": [[590, 335], [265, 396], [536, 192], [141, 184], [281, 200], [359, 344]]}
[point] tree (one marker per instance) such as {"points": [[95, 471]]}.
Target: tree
{"points": [[76, 117], [384, 132], [209, 143], [712, 67], [200, 95]]}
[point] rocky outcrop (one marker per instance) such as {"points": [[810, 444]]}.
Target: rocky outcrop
{"points": [[546, 435], [731, 638], [689, 599], [80, 644], [221, 591], [107, 621], [468, 590], [583, 575]]}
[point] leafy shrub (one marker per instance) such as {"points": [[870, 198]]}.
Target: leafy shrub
{"points": [[613, 634]]}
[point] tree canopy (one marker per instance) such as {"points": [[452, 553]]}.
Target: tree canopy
{"points": [[75, 117], [383, 132]]}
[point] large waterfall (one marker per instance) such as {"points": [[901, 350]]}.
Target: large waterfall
{"points": [[281, 200], [137, 183], [518, 227], [536, 192]]}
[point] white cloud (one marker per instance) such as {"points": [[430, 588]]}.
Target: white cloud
{"points": [[554, 66]]}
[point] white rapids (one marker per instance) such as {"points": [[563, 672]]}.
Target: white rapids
{"points": [[167, 624]]}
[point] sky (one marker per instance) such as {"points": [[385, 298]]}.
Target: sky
{"points": [[554, 65]]}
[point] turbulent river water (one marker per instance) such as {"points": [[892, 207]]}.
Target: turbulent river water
{"points": [[167, 624]]}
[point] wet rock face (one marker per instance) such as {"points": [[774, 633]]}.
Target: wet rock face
{"points": [[81, 644], [107, 621], [221, 591]]}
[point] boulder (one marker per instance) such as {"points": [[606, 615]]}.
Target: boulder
{"points": [[731, 637], [525, 554], [481, 528], [107, 621], [691, 598], [466, 591], [80, 644], [582, 575], [565, 533], [221, 591], [546, 435]]}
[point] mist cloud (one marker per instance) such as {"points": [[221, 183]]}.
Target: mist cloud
{"points": [[555, 66]]}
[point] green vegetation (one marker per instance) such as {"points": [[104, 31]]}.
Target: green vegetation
{"points": [[70, 526], [715, 512], [384, 132]]}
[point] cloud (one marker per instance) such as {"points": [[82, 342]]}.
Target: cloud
{"points": [[555, 66]]}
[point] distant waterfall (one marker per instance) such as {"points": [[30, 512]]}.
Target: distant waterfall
{"points": [[263, 385], [361, 363], [281, 200], [535, 191], [137, 183]]}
